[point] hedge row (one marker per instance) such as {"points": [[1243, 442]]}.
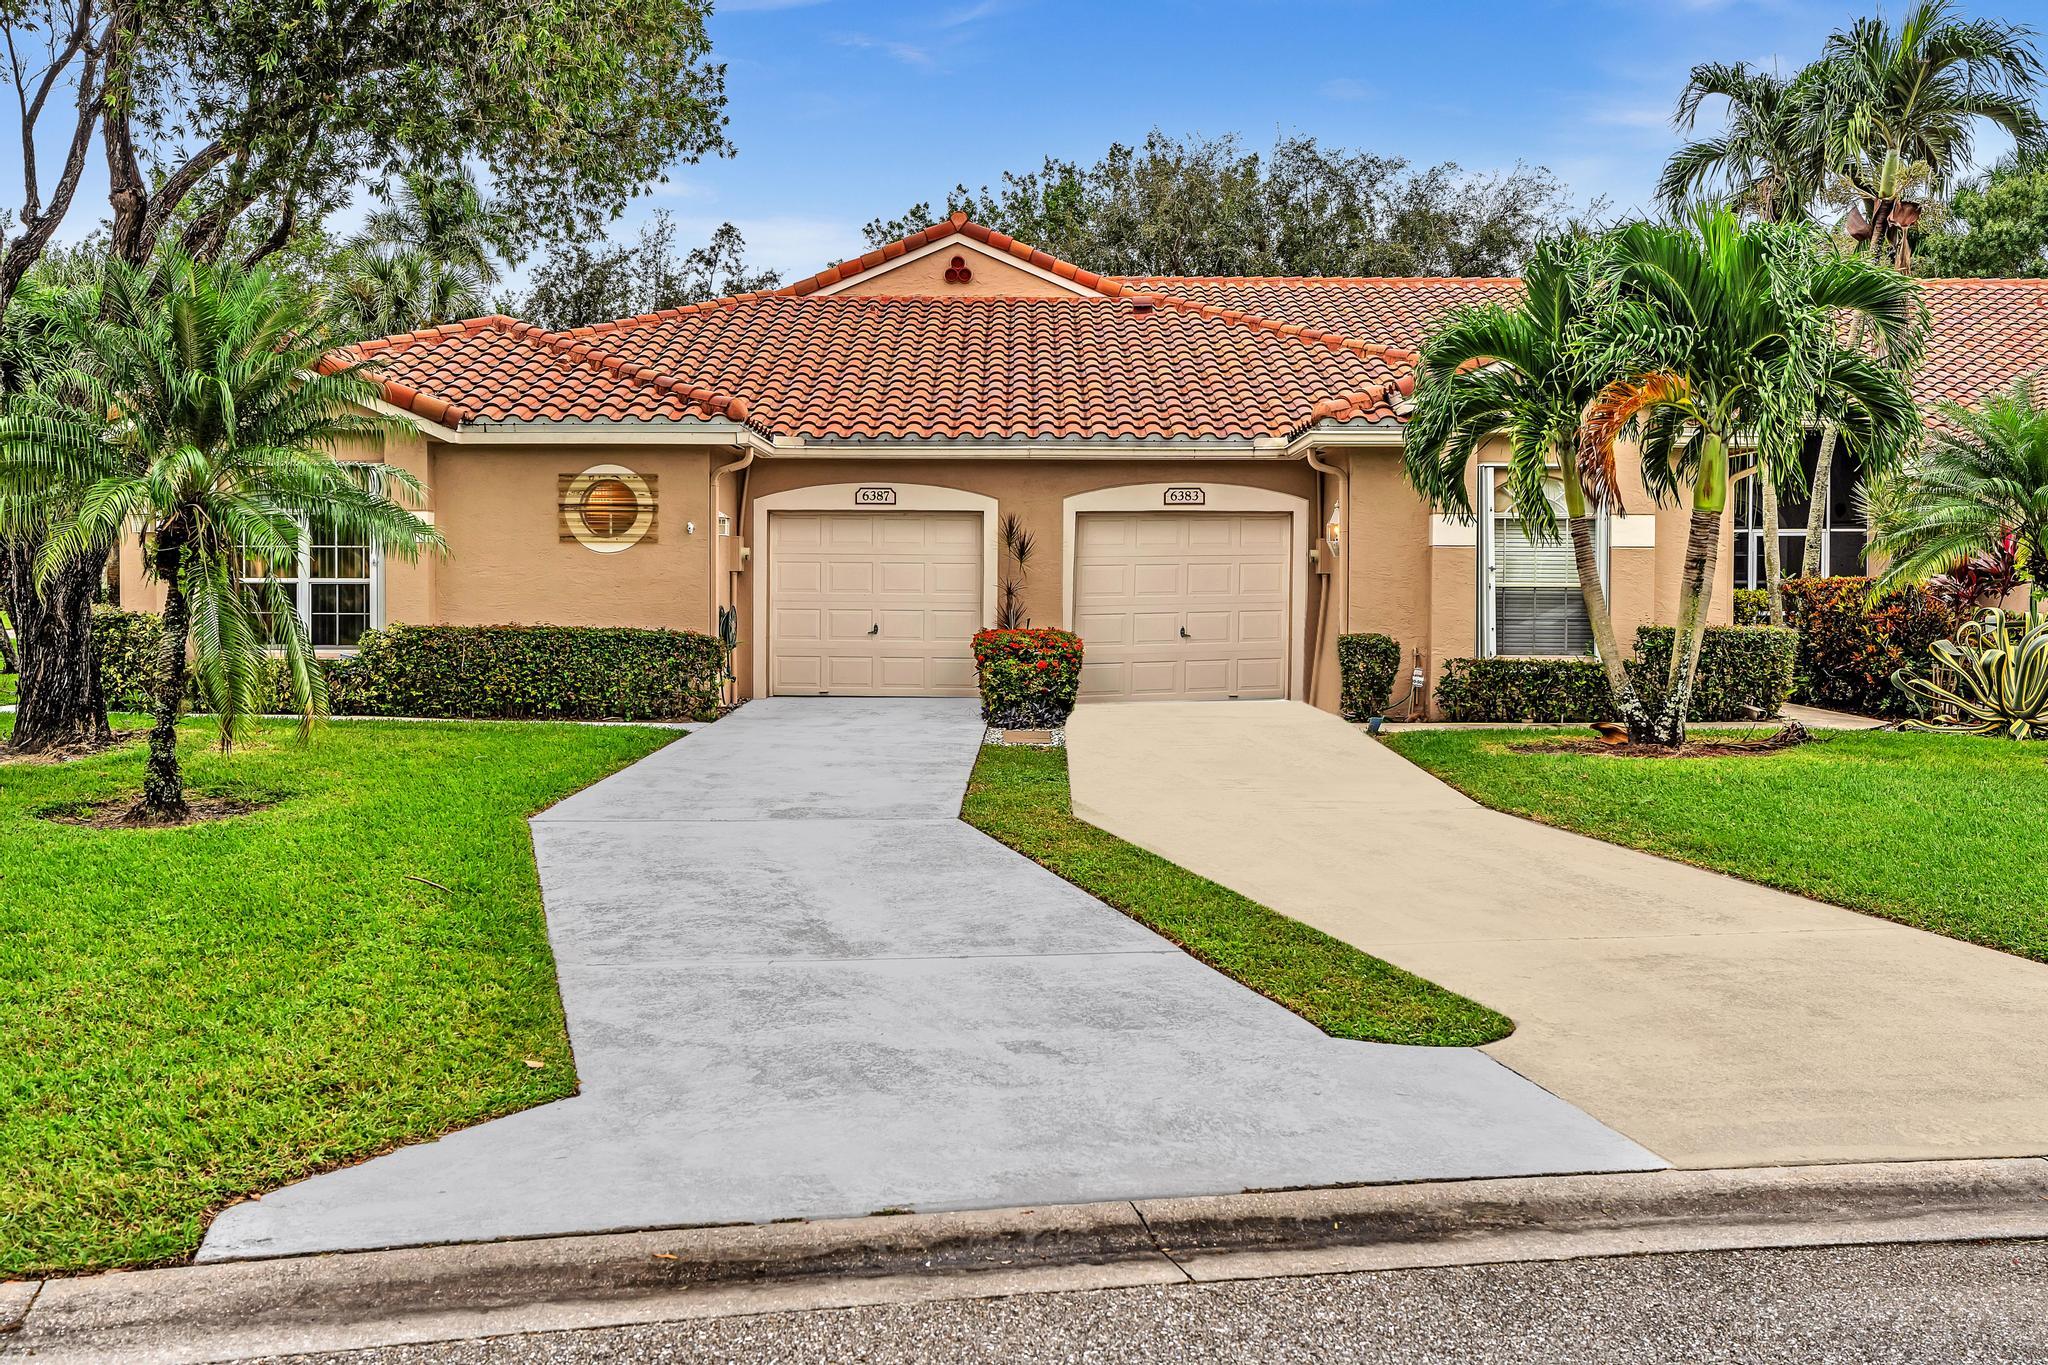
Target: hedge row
{"points": [[1740, 667], [469, 672], [1367, 664]]}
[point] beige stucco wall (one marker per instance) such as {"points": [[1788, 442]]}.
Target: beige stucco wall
{"points": [[507, 562], [926, 275]]}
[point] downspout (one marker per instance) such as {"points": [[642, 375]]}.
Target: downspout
{"points": [[1337, 570], [739, 533]]}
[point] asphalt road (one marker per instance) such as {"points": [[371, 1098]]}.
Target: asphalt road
{"points": [[1945, 1303]]}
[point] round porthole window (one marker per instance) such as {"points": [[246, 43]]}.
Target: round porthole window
{"points": [[608, 508]]}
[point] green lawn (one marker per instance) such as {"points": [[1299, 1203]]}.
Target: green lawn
{"points": [[6, 689], [1019, 796], [188, 1015], [1939, 831]]}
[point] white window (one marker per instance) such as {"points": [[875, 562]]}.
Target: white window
{"points": [[335, 586], [1529, 598]]}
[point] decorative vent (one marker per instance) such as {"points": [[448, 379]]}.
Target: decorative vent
{"points": [[957, 272], [607, 508]]}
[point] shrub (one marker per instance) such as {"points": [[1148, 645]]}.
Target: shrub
{"points": [[1752, 606], [1740, 667], [526, 672], [1999, 664], [1028, 677], [126, 645], [1367, 664], [1516, 690], [1850, 646]]}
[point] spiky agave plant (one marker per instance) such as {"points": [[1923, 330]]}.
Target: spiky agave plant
{"points": [[2001, 678]]}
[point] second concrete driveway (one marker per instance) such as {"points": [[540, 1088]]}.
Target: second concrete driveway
{"points": [[799, 986], [1716, 1022]]}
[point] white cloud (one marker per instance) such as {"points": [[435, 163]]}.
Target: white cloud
{"points": [[1345, 88], [969, 14], [907, 53]]}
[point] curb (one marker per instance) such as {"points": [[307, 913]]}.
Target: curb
{"points": [[235, 1310]]}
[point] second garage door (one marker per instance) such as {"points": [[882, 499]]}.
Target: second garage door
{"points": [[873, 604], [1182, 605]]}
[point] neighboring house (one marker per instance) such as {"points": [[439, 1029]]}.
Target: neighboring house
{"points": [[1211, 468]]}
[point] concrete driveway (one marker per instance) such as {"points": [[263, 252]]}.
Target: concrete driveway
{"points": [[799, 986], [1716, 1022]]}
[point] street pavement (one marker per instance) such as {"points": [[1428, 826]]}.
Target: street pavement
{"points": [[1955, 1303]]}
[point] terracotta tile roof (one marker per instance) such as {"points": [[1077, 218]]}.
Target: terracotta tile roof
{"points": [[1393, 312], [1141, 359], [919, 368], [498, 369], [1985, 334]]}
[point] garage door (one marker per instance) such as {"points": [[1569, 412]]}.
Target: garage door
{"points": [[1188, 605], [875, 604]]}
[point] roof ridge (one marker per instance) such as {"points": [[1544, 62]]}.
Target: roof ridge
{"points": [[1313, 336], [1974, 281], [955, 224], [1318, 279], [575, 345]]}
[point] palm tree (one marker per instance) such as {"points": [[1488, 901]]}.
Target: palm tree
{"points": [[1980, 489], [1490, 370], [191, 401], [1723, 331], [1770, 160], [430, 255], [1899, 107]]}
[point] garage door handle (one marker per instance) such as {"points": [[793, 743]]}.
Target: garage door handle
{"points": [[1184, 634], [875, 629]]}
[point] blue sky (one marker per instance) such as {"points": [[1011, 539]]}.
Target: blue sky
{"points": [[845, 110]]}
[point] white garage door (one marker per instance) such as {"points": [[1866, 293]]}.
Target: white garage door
{"points": [[1187, 605], [874, 604]]}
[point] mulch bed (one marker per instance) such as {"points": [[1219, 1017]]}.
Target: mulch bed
{"points": [[1790, 736], [69, 752], [119, 813]]}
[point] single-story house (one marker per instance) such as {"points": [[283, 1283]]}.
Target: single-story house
{"points": [[1209, 470]]}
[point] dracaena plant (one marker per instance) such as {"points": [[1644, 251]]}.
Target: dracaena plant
{"points": [[1999, 666], [1727, 334]]}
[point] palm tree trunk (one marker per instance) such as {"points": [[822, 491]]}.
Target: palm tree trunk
{"points": [[59, 704], [1695, 595], [1824, 463], [1774, 562], [163, 783], [1586, 554]]}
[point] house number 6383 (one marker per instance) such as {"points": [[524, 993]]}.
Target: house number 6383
{"points": [[1183, 497]]}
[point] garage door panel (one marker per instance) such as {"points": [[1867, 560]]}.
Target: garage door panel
{"points": [[1140, 579], [874, 603]]}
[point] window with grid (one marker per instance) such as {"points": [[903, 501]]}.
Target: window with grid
{"points": [[1531, 586], [332, 585]]}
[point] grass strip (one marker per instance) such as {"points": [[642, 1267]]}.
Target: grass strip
{"points": [[1020, 797]]}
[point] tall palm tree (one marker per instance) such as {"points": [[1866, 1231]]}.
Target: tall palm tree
{"points": [[1769, 160], [1721, 330], [430, 255], [1899, 107], [1981, 488], [191, 402], [1494, 370]]}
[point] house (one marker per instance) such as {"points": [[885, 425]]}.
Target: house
{"points": [[1210, 469]]}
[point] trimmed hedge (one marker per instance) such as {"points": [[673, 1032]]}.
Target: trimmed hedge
{"points": [[1516, 690], [530, 672], [1849, 645], [1740, 666], [1029, 678], [1367, 663], [126, 645], [1752, 606]]}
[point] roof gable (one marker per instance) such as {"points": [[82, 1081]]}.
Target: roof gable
{"points": [[992, 264]]}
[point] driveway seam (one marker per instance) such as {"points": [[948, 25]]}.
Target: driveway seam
{"points": [[1157, 1244], [672, 963]]}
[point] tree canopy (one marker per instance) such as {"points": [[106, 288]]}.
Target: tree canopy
{"points": [[1995, 227], [588, 282], [1212, 206]]}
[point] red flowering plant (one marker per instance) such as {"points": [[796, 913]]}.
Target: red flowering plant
{"points": [[1028, 677]]}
